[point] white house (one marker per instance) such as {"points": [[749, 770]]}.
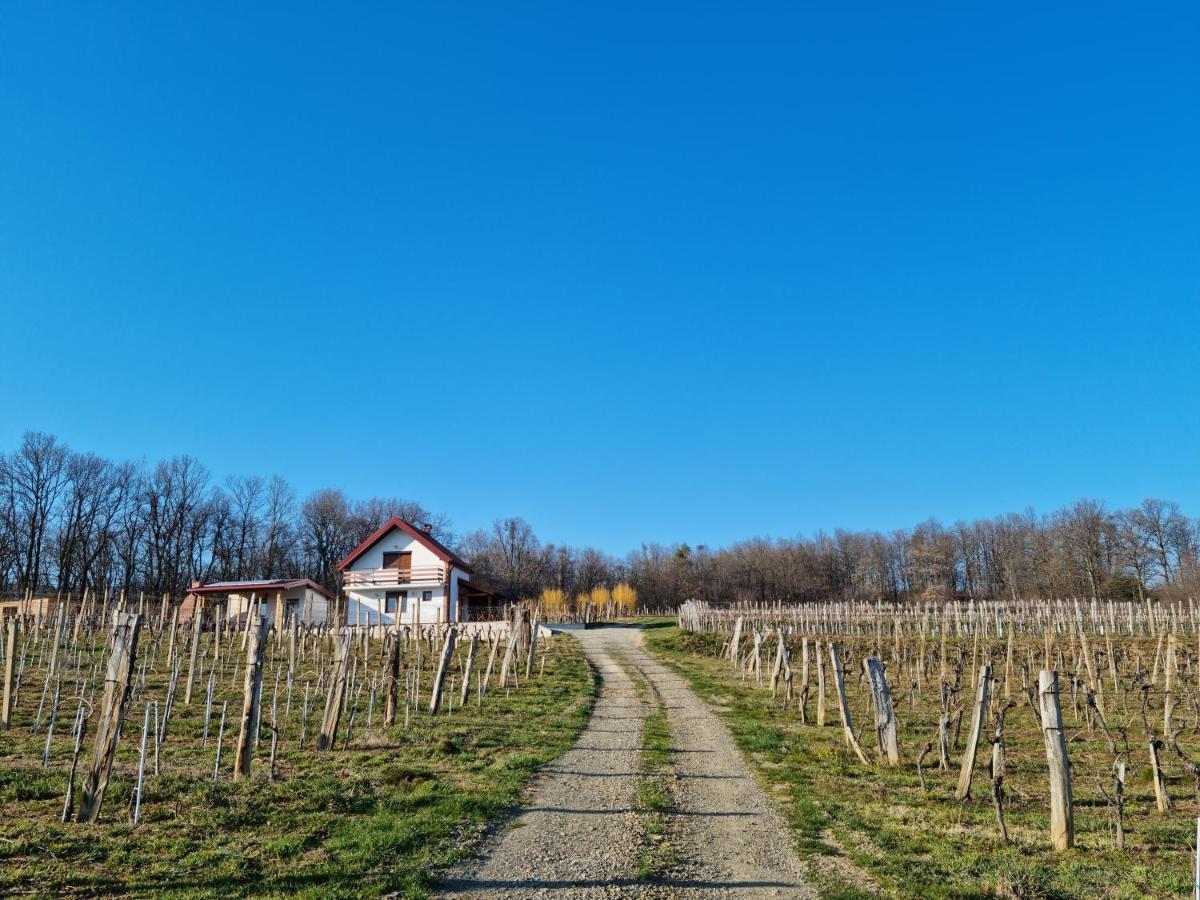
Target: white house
{"points": [[279, 599], [401, 575]]}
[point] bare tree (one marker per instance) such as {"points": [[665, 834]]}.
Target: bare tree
{"points": [[35, 477], [327, 532]]}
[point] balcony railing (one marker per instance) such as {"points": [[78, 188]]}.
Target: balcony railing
{"points": [[387, 577]]}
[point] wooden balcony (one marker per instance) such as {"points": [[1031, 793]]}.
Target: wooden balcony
{"points": [[394, 577]]}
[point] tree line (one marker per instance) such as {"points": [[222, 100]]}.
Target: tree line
{"points": [[1082, 550], [72, 520]]}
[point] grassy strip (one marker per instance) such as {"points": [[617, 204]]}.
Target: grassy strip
{"points": [[654, 798], [654, 795], [379, 818], [928, 845]]}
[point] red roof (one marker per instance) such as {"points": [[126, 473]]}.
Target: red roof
{"points": [[245, 587], [441, 551]]}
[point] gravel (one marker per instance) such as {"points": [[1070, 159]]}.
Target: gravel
{"points": [[579, 835]]}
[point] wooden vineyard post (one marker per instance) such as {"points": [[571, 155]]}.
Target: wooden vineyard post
{"points": [[1196, 863], [1008, 665], [9, 656], [466, 682], [777, 667], [735, 641], [487, 674], [112, 710], [820, 686], [197, 623], [1062, 818], [435, 696], [509, 650], [885, 718], [533, 637], [1168, 686], [393, 682], [174, 626], [803, 681], [844, 704], [977, 714], [337, 689], [1162, 800], [251, 701], [1119, 802]]}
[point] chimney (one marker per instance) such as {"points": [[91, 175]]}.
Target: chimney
{"points": [[427, 527]]}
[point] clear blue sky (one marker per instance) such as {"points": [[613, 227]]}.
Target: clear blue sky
{"points": [[638, 272]]}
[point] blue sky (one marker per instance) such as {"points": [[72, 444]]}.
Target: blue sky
{"points": [[639, 272]]}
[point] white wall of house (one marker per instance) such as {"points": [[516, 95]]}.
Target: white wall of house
{"points": [[312, 606], [369, 607], [396, 540]]}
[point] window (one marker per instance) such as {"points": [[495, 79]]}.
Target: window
{"points": [[427, 595], [402, 561], [393, 601]]}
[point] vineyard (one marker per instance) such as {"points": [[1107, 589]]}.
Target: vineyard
{"points": [[1039, 748], [215, 757]]}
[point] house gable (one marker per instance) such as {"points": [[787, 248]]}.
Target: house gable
{"points": [[399, 535]]}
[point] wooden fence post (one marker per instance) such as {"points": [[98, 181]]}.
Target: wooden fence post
{"points": [[112, 711], [1062, 818], [251, 700], [977, 715]]}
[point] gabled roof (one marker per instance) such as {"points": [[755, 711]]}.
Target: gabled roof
{"points": [[440, 550], [244, 587]]}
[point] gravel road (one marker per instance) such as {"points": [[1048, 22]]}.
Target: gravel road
{"points": [[578, 837]]}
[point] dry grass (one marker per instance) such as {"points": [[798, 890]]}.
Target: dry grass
{"points": [[927, 844], [382, 816]]}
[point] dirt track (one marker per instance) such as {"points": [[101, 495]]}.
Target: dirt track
{"points": [[579, 835]]}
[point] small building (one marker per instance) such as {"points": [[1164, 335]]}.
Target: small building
{"points": [[279, 599], [401, 575], [28, 606]]}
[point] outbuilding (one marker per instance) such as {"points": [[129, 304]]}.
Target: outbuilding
{"points": [[279, 599]]}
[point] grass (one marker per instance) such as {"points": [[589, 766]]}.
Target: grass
{"points": [[865, 827], [654, 795], [381, 817], [653, 792]]}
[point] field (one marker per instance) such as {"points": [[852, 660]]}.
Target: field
{"points": [[381, 812], [873, 826]]}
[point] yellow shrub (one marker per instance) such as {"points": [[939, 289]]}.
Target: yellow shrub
{"points": [[624, 599], [554, 603]]}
